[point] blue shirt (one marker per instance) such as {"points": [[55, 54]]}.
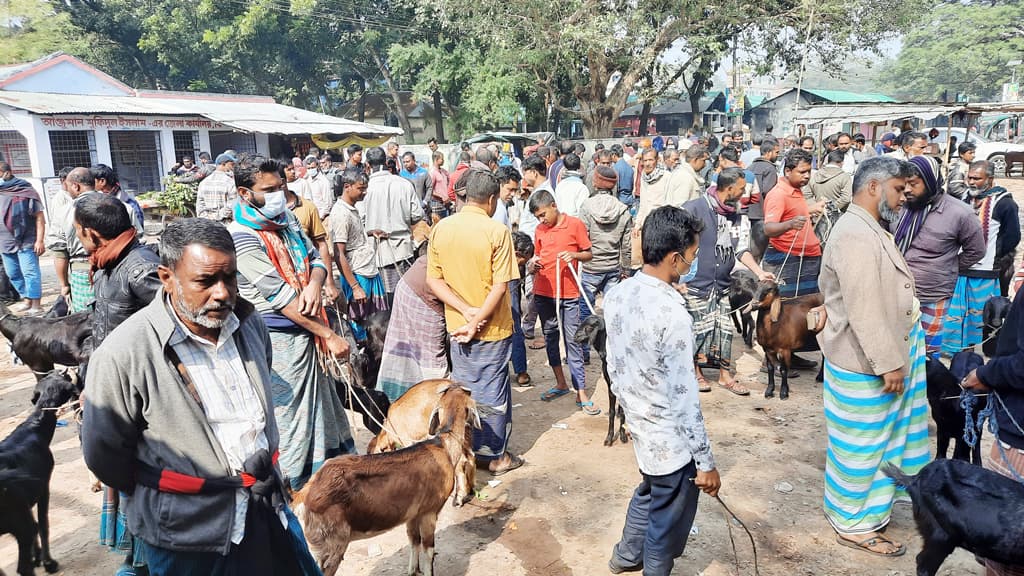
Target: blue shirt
{"points": [[625, 173]]}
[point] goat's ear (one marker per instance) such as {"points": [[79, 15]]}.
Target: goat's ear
{"points": [[468, 391], [775, 310], [443, 389], [435, 422]]}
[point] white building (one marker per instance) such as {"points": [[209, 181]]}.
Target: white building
{"points": [[60, 112]]}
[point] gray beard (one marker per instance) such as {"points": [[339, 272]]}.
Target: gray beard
{"points": [[196, 317], [887, 214]]}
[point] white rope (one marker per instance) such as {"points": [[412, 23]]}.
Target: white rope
{"points": [[579, 284], [558, 304]]}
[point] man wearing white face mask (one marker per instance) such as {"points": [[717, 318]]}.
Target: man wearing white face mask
{"points": [[282, 274], [707, 286]]}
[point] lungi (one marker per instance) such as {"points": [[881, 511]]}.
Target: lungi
{"points": [[376, 300], [712, 328], [310, 417], [483, 368], [416, 346], [867, 428], [799, 275], [933, 316], [82, 293], [997, 463], [962, 328]]}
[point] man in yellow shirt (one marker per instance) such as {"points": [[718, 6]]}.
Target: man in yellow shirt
{"points": [[469, 264]]}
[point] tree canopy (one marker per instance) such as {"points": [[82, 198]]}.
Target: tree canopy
{"points": [[962, 48]]}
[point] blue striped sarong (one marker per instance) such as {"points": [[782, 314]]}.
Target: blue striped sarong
{"points": [[798, 277], [376, 300], [867, 428], [310, 417], [483, 368], [962, 328]]}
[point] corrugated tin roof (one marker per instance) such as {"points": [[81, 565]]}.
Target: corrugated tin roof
{"points": [[874, 112], [251, 114], [679, 105], [12, 69], [845, 97]]}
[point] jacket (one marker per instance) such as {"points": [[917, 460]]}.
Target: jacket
{"points": [[714, 263], [652, 195], [869, 297], [124, 288], [608, 224], [684, 185], [138, 410], [956, 182], [767, 176], [831, 183], [1004, 373], [949, 241], [1002, 228]]}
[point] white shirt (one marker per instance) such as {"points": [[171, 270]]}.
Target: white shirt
{"points": [[527, 221], [230, 402], [650, 361], [321, 192], [570, 195]]}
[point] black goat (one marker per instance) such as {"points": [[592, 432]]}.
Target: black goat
{"points": [[376, 326], [992, 316], [592, 331], [372, 404], [26, 465], [357, 383], [960, 505], [944, 398], [741, 293], [43, 342]]}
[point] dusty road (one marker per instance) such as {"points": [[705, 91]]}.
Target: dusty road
{"points": [[562, 512]]}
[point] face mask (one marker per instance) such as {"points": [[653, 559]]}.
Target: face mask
{"points": [[691, 274], [274, 204]]}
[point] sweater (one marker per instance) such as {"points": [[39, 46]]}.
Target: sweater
{"points": [[1004, 373], [608, 224]]}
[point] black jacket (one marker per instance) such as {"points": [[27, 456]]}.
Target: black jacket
{"points": [[1005, 374], [767, 176], [124, 288]]}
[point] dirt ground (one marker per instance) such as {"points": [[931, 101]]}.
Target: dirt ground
{"points": [[562, 512]]}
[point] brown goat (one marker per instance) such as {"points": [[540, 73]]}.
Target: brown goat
{"points": [[782, 330], [409, 421], [357, 497]]}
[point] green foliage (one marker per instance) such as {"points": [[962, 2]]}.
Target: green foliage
{"points": [[962, 48], [177, 198], [42, 32]]}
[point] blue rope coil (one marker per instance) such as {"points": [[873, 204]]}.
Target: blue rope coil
{"points": [[968, 400]]}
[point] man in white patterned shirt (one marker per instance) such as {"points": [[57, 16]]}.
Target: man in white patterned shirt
{"points": [[180, 416], [650, 362]]}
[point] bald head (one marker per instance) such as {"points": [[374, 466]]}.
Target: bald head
{"points": [[79, 181]]}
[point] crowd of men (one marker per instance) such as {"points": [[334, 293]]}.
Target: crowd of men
{"points": [[467, 262]]}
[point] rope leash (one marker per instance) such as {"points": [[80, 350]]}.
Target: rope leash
{"points": [[968, 401], [579, 284], [732, 540]]}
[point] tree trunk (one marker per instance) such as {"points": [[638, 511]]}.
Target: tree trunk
{"points": [[696, 114], [438, 118], [645, 117], [362, 99], [396, 106]]}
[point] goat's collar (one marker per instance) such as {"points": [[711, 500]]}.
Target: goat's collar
{"points": [[6, 316]]}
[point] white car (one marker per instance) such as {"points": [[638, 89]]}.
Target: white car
{"points": [[994, 152]]}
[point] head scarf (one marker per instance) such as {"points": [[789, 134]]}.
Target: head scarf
{"points": [[912, 219]]}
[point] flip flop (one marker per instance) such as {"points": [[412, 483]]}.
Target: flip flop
{"points": [[588, 408], [703, 385], [553, 393], [736, 388], [523, 380], [864, 546], [537, 344], [517, 462]]}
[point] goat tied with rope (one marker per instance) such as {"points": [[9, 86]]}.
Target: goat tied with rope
{"points": [[949, 416], [26, 465], [593, 332], [960, 505], [782, 329], [412, 418], [42, 342]]}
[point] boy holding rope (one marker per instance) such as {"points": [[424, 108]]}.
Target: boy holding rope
{"points": [[560, 241]]}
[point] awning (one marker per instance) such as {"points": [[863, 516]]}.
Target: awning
{"points": [[867, 113]]}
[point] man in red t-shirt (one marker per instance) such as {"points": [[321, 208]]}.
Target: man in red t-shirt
{"points": [[560, 241], [794, 253]]}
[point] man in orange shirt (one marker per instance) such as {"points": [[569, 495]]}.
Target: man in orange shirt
{"points": [[559, 242], [794, 253]]}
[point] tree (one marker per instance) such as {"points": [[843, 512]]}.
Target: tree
{"points": [[603, 50], [959, 48], [32, 31]]}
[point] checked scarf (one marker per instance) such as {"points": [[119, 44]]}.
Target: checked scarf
{"points": [[19, 195]]}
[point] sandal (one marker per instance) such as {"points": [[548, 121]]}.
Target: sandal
{"points": [[588, 408], [514, 462], [523, 380], [553, 393], [702, 384], [736, 388], [865, 545], [537, 344]]}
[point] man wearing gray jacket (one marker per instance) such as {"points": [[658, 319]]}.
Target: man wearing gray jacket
{"points": [[178, 415]]}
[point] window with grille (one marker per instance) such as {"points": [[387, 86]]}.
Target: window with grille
{"points": [[186, 143], [72, 148], [14, 150], [135, 155], [238, 141]]}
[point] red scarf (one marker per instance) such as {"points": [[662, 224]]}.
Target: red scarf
{"points": [[298, 279], [110, 252]]}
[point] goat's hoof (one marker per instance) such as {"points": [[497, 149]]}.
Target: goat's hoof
{"points": [[609, 440], [51, 566], [768, 393], [783, 395], [623, 437]]}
